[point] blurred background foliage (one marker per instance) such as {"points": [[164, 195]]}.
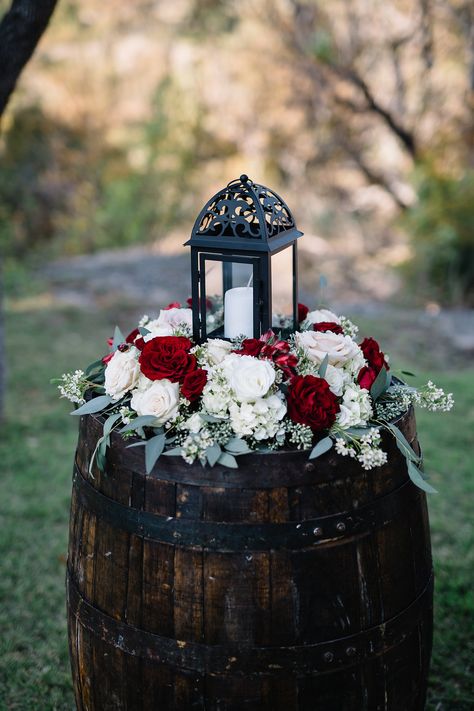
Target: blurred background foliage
{"points": [[129, 115]]}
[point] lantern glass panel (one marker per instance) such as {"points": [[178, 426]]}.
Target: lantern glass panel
{"points": [[227, 283], [282, 290]]}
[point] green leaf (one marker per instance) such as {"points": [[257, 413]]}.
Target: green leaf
{"points": [[324, 366], [110, 422], [380, 384], [143, 331], [403, 444], [93, 366], [153, 449], [118, 338], [136, 444], [417, 478], [95, 405], [213, 453], [175, 452], [138, 422], [210, 418], [228, 460], [324, 445], [236, 445], [407, 372]]}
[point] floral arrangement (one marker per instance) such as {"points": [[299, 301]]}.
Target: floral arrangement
{"points": [[212, 402]]}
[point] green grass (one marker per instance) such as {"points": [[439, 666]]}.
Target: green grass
{"points": [[36, 448]]}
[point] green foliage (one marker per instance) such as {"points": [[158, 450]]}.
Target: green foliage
{"points": [[441, 226]]}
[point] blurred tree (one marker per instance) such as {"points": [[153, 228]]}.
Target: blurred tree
{"points": [[20, 30]]}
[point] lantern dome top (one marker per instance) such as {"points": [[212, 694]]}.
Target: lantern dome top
{"points": [[244, 215]]}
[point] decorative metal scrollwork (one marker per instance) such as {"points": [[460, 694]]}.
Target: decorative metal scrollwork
{"points": [[245, 209]]}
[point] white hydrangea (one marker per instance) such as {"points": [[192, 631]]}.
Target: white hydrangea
{"points": [[356, 407], [260, 419]]}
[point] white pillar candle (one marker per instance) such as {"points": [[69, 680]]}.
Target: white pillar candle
{"points": [[238, 312]]}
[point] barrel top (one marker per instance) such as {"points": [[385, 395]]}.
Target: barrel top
{"points": [[285, 467]]}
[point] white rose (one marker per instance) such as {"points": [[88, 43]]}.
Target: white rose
{"points": [[217, 349], [160, 399], [249, 377], [356, 407], [335, 377], [322, 315], [175, 317], [157, 329], [340, 349], [122, 373]]}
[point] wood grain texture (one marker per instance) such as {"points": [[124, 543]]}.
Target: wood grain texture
{"points": [[295, 622]]}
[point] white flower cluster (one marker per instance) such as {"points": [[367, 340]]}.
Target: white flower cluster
{"points": [[365, 449], [355, 408], [195, 445], [433, 398], [242, 390], [73, 385]]}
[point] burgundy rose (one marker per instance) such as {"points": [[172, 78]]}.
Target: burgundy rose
{"points": [[107, 357], [302, 312], [193, 384], [251, 347], [167, 357], [311, 402], [366, 377], [373, 355], [328, 326]]}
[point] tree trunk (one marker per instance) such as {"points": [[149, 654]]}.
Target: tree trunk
{"points": [[20, 31]]}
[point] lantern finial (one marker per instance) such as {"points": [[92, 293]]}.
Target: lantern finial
{"points": [[244, 178]]}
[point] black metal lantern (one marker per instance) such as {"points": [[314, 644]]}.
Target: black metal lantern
{"points": [[240, 230]]}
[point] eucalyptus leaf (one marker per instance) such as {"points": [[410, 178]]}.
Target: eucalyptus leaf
{"points": [[236, 445], [143, 331], [417, 478], [90, 368], [175, 452], [407, 372], [213, 453], [138, 423], [153, 449], [228, 460], [118, 338], [110, 422], [95, 405], [403, 444], [135, 444], [324, 366], [210, 418], [380, 384], [324, 445]]}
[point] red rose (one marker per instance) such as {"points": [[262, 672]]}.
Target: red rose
{"points": [[366, 377], [107, 357], [373, 355], [328, 326], [173, 305], [251, 347], [302, 312], [167, 357], [193, 384], [311, 402]]}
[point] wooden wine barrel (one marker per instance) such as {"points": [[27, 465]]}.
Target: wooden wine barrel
{"points": [[283, 585]]}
